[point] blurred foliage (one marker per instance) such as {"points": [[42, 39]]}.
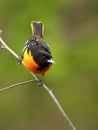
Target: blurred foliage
{"points": [[71, 29]]}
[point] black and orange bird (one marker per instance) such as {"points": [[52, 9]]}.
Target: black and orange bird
{"points": [[36, 54]]}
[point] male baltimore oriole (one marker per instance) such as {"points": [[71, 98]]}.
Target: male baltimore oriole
{"points": [[36, 54]]}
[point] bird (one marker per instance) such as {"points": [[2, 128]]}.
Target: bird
{"points": [[36, 54]]}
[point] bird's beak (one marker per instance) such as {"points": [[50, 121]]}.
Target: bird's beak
{"points": [[51, 61]]}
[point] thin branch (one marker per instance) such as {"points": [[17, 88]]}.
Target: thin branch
{"points": [[10, 50], [59, 107], [45, 87], [17, 84]]}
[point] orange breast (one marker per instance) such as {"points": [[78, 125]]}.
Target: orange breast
{"points": [[31, 65]]}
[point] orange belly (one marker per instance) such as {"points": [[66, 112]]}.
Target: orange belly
{"points": [[31, 65]]}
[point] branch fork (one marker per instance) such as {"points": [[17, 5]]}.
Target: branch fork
{"points": [[4, 45]]}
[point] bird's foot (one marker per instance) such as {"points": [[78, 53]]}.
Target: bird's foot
{"points": [[19, 60], [40, 82]]}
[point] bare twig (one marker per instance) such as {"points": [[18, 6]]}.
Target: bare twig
{"points": [[45, 87], [10, 50], [17, 84], [59, 107]]}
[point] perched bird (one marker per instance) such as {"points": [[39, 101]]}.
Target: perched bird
{"points": [[36, 54]]}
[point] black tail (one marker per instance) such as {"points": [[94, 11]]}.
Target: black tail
{"points": [[37, 29]]}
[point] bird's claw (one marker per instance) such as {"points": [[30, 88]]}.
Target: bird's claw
{"points": [[19, 60], [40, 82]]}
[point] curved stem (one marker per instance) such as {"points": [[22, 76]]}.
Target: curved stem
{"points": [[17, 84]]}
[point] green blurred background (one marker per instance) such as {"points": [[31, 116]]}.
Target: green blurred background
{"points": [[71, 29]]}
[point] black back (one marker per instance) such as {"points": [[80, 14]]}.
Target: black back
{"points": [[40, 52]]}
